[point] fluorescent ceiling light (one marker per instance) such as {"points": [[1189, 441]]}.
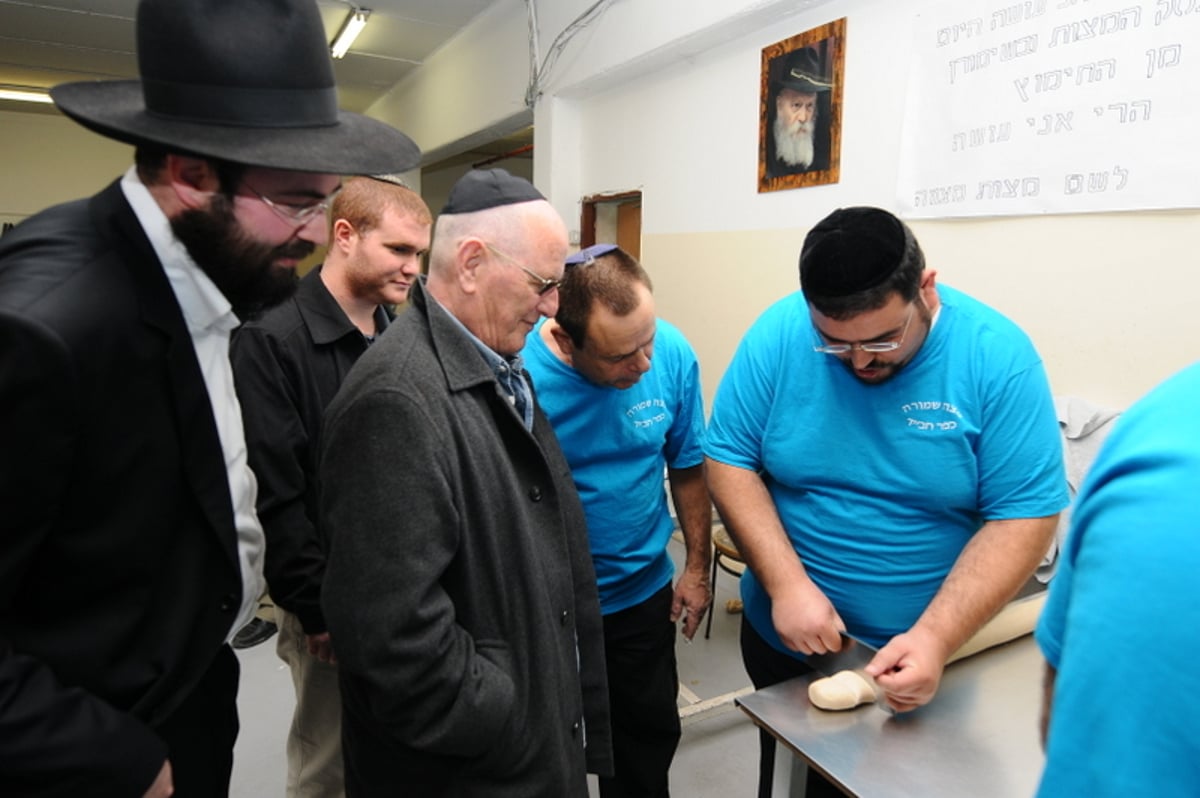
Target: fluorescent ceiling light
{"points": [[25, 95], [349, 32]]}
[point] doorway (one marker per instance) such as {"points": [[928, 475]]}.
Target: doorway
{"points": [[613, 218]]}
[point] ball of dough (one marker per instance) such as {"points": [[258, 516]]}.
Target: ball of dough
{"points": [[843, 690]]}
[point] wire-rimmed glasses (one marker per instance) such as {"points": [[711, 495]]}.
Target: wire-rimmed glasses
{"points": [[296, 214], [872, 347], [544, 284]]}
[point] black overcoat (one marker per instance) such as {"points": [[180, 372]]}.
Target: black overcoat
{"points": [[459, 589]]}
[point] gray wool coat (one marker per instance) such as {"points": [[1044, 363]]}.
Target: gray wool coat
{"points": [[459, 590]]}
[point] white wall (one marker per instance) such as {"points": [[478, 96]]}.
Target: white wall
{"points": [[1106, 297], [473, 88], [662, 96], [689, 132], [470, 90]]}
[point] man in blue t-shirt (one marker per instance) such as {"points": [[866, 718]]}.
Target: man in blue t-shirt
{"points": [[621, 424], [885, 453], [1121, 627]]}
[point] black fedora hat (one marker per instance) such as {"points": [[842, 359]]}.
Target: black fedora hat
{"points": [[803, 71], [248, 81]]}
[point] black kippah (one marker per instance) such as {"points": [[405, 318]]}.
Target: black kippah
{"points": [[850, 251], [480, 189]]}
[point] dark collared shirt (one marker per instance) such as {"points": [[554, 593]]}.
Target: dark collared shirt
{"points": [[288, 366]]}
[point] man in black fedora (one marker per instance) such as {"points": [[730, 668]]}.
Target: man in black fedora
{"points": [[798, 115], [131, 552]]}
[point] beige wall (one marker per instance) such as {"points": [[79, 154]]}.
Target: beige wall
{"points": [[1109, 299], [46, 159]]}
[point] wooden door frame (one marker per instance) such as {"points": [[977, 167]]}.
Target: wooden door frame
{"points": [[587, 221]]}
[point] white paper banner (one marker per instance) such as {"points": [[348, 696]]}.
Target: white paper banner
{"points": [[1052, 106]]}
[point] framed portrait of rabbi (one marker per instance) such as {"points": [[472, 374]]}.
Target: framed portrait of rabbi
{"points": [[800, 109]]}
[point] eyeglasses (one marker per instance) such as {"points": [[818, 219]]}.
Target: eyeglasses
{"points": [[544, 284], [873, 347], [298, 214]]}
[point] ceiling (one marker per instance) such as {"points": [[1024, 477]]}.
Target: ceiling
{"points": [[46, 42]]}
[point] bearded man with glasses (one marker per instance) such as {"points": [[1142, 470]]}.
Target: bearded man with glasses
{"points": [[131, 550], [884, 451]]}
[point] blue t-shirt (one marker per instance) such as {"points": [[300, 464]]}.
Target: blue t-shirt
{"points": [[880, 487], [1122, 622], [618, 444]]}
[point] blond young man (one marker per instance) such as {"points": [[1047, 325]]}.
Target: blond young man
{"points": [[289, 365]]}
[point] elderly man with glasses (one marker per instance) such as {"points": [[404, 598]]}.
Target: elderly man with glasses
{"points": [[884, 450], [458, 587]]}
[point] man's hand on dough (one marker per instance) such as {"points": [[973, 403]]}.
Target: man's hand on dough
{"points": [[908, 669]]}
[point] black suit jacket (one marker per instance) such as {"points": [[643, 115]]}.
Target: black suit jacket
{"points": [[288, 366], [119, 578]]}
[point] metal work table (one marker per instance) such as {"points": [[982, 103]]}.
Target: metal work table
{"points": [[978, 737]]}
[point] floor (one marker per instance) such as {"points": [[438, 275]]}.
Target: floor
{"points": [[718, 755]]}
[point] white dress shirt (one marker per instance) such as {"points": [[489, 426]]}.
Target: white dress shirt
{"points": [[210, 320]]}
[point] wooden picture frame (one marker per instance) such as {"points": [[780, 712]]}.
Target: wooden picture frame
{"points": [[800, 75]]}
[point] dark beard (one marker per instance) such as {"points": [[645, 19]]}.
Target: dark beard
{"points": [[243, 269], [926, 318], [892, 370]]}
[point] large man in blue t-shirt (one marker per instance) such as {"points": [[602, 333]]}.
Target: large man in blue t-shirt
{"points": [[621, 424], [885, 453]]}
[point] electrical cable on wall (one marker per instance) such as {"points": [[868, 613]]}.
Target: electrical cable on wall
{"points": [[531, 90], [538, 76]]}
